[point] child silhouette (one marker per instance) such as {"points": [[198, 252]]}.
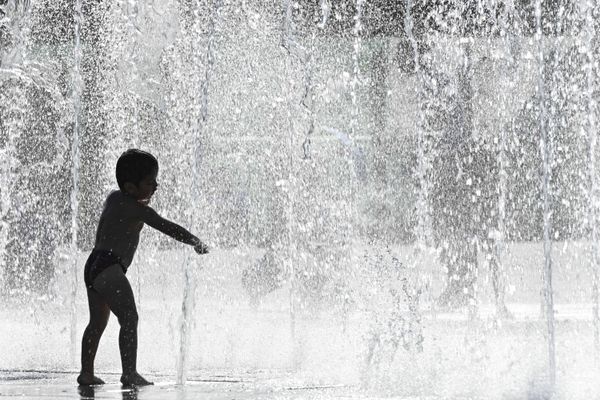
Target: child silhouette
{"points": [[124, 214]]}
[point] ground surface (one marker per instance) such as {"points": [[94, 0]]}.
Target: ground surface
{"points": [[32, 385], [238, 350]]}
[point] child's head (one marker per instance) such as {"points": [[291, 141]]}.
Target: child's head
{"points": [[135, 166]]}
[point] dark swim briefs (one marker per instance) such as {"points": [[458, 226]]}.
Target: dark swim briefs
{"points": [[97, 262]]}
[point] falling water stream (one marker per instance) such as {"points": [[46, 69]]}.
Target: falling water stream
{"points": [[422, 207], [356, 73], [134, 32], [77, 91], [506, 133], [294, 50], [546, 152], [190, 284], [132, 11], [590, 33]]}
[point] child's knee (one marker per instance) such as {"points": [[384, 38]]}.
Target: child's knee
{"points": [[98, 324], [129, 318], [101, 325]]}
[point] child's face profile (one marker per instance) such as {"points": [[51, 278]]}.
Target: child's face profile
{"points": [[145, 189]]}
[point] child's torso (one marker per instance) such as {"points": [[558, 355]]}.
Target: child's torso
{"points": [[119, 226]]}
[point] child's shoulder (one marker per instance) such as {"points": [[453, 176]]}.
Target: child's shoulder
{"points": [[114, 195], [117, 200]]}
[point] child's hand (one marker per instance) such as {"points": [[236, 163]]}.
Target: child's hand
{"points": [[201, 248]]}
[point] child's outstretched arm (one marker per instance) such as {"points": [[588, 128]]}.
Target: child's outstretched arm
{"points": [[177, 232]]}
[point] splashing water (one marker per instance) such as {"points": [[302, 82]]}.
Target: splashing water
{"points": [[383, 184]]}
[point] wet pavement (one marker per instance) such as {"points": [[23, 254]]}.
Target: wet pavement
{"points": [[33, 385]]}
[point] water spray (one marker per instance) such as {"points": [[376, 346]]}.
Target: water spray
{"points": [[189, 290], [75, 160], [590, 33], [545, 150], [422, 206]]}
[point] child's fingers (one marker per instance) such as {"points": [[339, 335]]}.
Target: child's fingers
{"points": [[201, 249]]}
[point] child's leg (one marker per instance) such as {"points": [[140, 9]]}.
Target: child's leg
{"points": [[113, 286], [99, 313]]}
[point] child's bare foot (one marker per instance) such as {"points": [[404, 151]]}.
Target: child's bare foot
{"points": [[87, 379], [134, 379]]}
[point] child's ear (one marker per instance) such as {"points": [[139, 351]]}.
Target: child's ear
{"points": [[129, 188]]}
